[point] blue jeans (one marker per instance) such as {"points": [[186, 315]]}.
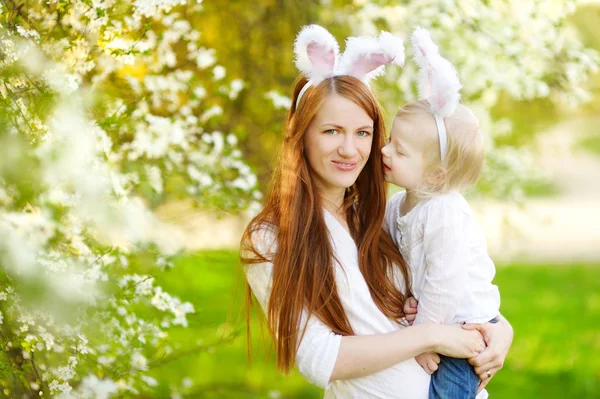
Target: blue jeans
{"points": [[454, 379]]}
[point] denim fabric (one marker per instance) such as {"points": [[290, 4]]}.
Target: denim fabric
{"points": [[454, 379]]}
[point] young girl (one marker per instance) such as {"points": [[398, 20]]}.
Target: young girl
{"points": [[436, 150]]}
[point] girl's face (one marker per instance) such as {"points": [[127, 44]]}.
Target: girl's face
{"points": [[403, 155], [338, 143]]}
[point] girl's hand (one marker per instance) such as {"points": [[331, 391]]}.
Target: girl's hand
{"points": [[498, 338], [410, 310], [453, 342], [429, 361]]}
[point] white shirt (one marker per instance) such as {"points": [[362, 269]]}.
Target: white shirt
{"points": [[446, 251], [318, 351]]}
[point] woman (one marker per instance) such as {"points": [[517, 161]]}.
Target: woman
{"points": [[328, 277]]}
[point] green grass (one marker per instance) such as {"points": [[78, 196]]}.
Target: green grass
{"points": [[555, 311]]}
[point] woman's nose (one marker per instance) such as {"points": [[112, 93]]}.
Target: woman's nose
{"points": [[348, 148]]}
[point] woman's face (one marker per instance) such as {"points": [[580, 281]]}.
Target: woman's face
{"points": [[338, 143]]}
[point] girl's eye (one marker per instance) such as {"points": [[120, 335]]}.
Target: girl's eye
{"points": [[330, 131]]}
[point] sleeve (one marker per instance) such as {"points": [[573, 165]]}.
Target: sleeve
{"points": [[319, 347], [446, 247]]}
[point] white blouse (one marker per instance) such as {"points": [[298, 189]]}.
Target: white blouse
{"points": [[447, 254], [318, 350]]}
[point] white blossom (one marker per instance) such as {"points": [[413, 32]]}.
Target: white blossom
{"points": [[28, 34], [62, 82], [138, 361], [218, 72], [155, 178], [279, 101], [94, 388], [149, 380], [205, 58], [150, 8]]}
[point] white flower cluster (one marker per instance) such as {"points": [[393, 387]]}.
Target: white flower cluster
{"points": [[99, 113]]}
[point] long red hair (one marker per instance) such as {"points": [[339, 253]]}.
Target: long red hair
{"points": [[303, 265]]}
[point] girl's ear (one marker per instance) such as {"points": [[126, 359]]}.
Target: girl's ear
{"points": [[438, 176]]}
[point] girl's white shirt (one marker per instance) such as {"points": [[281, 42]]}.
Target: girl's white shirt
{"points": [[446, 251], [318, 350]]}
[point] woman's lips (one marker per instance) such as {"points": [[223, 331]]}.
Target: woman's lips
{"points": [[345, 166]]}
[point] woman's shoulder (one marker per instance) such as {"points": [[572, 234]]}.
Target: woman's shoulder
{"points": [[264, 234], [257, 255]]}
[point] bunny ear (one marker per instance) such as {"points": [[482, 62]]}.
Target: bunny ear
{"points": [[316, 52], [365, 57], [438, 80]]}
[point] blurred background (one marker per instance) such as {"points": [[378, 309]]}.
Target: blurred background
{"points": [[136, 142]]}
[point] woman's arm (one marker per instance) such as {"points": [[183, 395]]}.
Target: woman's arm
{"points": [[324, 356], [498, 338], [363, 355]]}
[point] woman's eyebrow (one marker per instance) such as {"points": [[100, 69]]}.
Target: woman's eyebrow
{"points": [[333, 125], [342, 128]]}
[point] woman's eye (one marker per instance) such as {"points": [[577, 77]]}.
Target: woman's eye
{"points": [[363, 133], [330, 131]]}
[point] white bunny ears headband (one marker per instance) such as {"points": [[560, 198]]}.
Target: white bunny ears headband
{"points": [[318, 58], [438, 82]]}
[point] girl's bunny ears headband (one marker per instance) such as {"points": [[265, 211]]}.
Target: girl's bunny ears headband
{"points": [[438, 82], [318, 58]]}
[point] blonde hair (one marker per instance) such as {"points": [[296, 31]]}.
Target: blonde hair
{"points": [[465, 156]]}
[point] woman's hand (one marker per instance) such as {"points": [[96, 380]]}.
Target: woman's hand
{"points": [[498, 338], [453, 342], [410, 310]]}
